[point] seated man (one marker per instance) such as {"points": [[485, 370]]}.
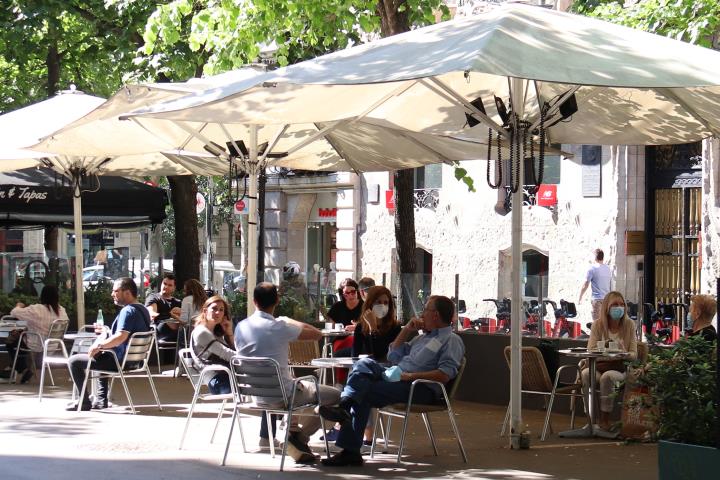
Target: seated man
{"points": [[263, 335], [165, 309], [435, 355], [133, 318]]}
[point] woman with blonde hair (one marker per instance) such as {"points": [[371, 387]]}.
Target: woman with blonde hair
{"points": [[212, 341], [613, 325], [700, 316]]}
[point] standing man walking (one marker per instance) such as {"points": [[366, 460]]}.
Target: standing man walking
{"points": [[599, 278]]}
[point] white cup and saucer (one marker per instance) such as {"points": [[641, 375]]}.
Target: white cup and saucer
{"points": [[613, 347]]}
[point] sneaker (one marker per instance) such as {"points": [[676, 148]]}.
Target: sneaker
{"points": [[26, 375], [332, 435], [73, 407], [344, 458], [335, 414], [99, 405], [299, 450], [265, 442]]}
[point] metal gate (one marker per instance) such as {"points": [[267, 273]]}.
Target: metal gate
{"points": [[677, 249]]}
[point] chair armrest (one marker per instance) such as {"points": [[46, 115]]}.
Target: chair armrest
{"points": [[432, 382], [212, 369], [49, 341], [560, 370], [25, 334]]}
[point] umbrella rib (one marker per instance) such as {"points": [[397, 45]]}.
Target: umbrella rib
{"points": [[276, 138], [137, 122], [318, 134], [424, 146], [342, 155], [476, 112], [201, 137], [667, 92], [398, 91]]}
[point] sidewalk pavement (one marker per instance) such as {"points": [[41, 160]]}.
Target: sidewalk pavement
{"points": [[42, 440]]}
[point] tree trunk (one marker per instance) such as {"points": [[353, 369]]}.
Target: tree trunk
{"points": [[392, 22], [186, 262], [405, 241]]}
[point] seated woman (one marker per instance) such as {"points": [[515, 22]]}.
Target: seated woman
{"points": [[212, 341], [38, 317], [193, 301], [700, 315], [377, 329], [614, 325], [346, 311]]}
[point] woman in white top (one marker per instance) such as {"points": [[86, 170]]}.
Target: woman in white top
{"points": [[212, 341], [192, 304], [38, 317]]}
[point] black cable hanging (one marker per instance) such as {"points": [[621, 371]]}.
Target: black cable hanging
{"points": [[497, 184]]}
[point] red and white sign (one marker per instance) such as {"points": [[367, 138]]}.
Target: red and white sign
{"points": [[547, 196], [327, 212], [199, 203], [241, 208], [324, 210], [390, 199]]}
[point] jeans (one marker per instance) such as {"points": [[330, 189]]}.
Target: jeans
{"points": [[104, 360], [367, 389], [219, 384]]}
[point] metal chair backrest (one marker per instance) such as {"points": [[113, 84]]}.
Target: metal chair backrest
{"points": [[535, 376], [302, 352], [56, 332], [453, 384], [138, 350], [188, 365], [259, 378]]}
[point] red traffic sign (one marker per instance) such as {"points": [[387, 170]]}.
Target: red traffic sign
{"points": [[240, 205]]}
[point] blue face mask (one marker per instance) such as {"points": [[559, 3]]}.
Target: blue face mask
{"points": [[616, 313]]}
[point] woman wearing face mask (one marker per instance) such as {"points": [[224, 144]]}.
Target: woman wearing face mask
{"points": [[377, 327], [700, 315], [612, 325]]}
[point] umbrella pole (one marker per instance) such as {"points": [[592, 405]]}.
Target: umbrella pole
{"points": [[77, 223], [251, 274], [516, 298]]}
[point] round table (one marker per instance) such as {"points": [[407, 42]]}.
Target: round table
{"points": [[592, 356]]}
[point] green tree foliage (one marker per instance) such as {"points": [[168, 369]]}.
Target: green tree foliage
{"points": [[693, 21], [46, 45]]}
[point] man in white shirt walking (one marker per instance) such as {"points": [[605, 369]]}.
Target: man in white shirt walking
{"points": [[599, 278]]}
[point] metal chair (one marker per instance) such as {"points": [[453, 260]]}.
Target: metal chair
{"points": [[404, 410], [536, 381], [260, 377], [30, 343], [198, 378], [162, 344], [135, 364]]}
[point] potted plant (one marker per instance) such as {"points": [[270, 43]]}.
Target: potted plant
{"points": [[681, 382]]}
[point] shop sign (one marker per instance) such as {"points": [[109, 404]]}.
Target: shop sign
{"points": [[199, 203], [23, 194], [390, 199], [547, 195], [324, 209], [241, 207]]}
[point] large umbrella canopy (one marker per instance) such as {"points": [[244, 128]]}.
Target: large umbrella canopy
{"points": [[557, 76], [136, 153], [39, 197]]}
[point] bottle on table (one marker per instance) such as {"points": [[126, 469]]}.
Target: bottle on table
{"points": [[99, 322]]}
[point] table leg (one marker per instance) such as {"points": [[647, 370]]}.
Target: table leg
{"points": [[588, 430]]}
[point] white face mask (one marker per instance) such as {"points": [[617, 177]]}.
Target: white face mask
{"points": [[380, 310]]}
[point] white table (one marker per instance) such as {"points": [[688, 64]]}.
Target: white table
{"points": [[328, 335], [332, 363], [591, 430]]}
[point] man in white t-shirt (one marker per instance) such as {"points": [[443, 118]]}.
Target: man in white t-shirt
{"points": [[263, 335], [599, 278]]}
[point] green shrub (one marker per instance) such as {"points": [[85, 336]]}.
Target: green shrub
{"points": [[683, 392]]}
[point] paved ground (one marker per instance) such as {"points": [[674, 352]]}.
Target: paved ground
{"points": [[42, 440]]}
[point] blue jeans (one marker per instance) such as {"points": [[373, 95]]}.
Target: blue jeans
{"points": [[367, 388]]}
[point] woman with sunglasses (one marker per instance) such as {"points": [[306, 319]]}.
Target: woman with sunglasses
{"points": [[347, 310]]}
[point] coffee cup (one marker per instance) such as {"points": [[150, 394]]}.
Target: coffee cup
{"points": [[613, 346], [339, 327], [329, 325], [600, 346]]}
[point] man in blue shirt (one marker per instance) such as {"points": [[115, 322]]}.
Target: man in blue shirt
{"points": [[434, 355], [133, 317]]}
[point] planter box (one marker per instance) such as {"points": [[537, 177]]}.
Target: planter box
{"points": [[686, 461]]}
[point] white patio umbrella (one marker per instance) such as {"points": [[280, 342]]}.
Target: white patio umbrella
{"points": [[593, 81], [140, 155]]}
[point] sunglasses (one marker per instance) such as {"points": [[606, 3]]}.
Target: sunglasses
{"points": [[349, 292]]}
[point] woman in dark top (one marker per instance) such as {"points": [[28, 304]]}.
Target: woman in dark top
{"points": [[347, 310], [700, 314], [378, 326]]}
